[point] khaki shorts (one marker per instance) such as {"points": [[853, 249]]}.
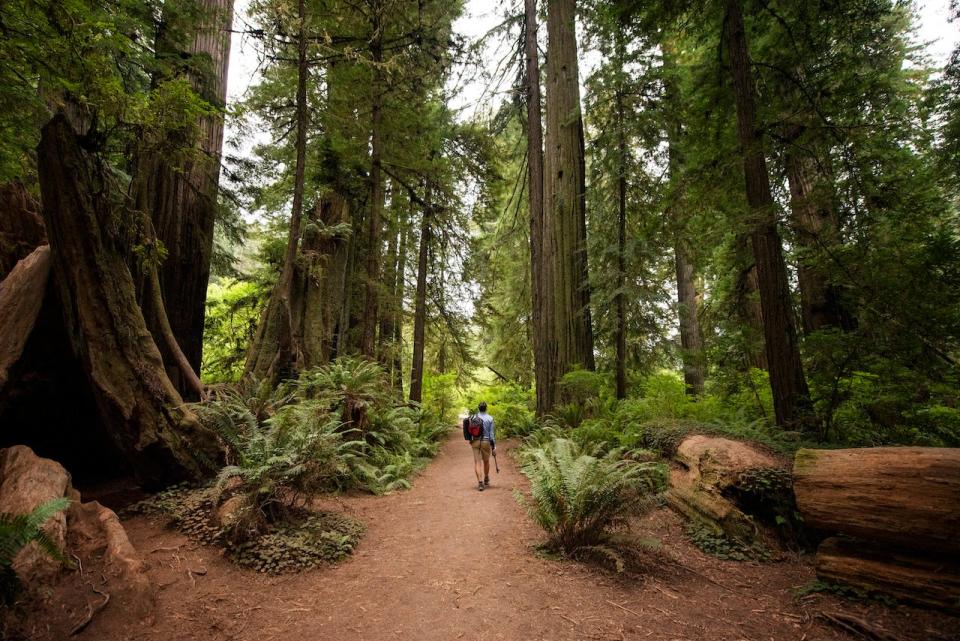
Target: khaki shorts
{"points": [[481, 449]]}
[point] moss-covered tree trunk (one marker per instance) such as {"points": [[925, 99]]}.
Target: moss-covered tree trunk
{"points": [[791, 398], [182, 200], [138, 405], [565, 195]]}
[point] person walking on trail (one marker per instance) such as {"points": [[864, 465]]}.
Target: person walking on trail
{"points": [[478, 430]]}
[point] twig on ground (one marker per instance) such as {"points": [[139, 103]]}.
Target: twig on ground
{"points": [[617, 605], [856, 626]]}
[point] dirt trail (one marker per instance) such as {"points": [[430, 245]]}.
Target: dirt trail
{"points": [[444, 561]]}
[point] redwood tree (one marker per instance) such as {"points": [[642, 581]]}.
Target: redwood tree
{"points": [[790, 394], [565, 197], [182, 201]]}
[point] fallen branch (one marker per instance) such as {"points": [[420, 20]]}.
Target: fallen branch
{"points": [[91, 612], [617, 605], [856, 626]]}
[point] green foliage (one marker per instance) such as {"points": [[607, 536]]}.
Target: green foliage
{"points": [[233, 310], [581, 499], [841, 590], [302, 541], [17, 531], [723, 547], [338, 427], [767, 494], [439, 403], [510, 404]]}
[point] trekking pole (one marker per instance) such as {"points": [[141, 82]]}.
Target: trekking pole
{"points": [[495, 463]]}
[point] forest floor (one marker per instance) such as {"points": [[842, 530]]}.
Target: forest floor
{"points": [[444, 561]]}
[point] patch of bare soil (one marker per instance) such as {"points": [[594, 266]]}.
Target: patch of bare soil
{"points": [[444, 561]]}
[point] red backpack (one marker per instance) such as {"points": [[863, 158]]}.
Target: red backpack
{"points": [[475, 426]]}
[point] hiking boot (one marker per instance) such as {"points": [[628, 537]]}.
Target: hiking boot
{"points": [[486, 481], [480, 486]]}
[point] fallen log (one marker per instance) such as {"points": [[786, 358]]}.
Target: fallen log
{"points": [[908, 577], [707, 468], [902, 496]]}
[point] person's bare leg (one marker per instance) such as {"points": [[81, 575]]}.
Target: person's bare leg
{"points": [[477, 457]]}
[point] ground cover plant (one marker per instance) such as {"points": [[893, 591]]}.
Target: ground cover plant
{"points": [[584, 499], [336, 428]]}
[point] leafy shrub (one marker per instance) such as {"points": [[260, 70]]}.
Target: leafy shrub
{"points": [[511, 406], [299, 452], [17, 531], [439, 403], [303, 541], [581, 499], [339, 426]]}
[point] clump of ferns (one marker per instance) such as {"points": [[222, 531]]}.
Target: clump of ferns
{"points": [[17, 531], [584, 499], [299, 452]]}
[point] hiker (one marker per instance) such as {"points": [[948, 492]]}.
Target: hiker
{"points": [[478, 430]]}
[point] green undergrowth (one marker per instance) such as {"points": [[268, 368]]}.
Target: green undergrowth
{"points": [[584, 499], [842, 590], [723, 547], [302, 541]]}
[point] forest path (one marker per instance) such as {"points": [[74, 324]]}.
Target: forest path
{"points": [[444, 561]]}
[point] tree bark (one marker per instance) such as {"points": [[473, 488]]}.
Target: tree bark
{"points": [[565, 195], [21, 226], [21, 296], [817, 227], [691, 337], [138, 405], [277, 350], [371, 306], [182, 201], [420, 311], [621, 303], [933, 582], [791, 398], [397, 364], [542, 339], [905, 496], [388, 306]]}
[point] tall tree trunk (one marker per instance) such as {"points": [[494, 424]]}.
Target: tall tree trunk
{"points": [[565, 194], [420, 310], [182, 201], [544, 351], [816, 224], [387, 307], [691, 337], [621, 303], [398, 323], [138, 405], [371, 306], [277, 350], [791, 398]]}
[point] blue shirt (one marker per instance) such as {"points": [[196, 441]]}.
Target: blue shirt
{"points": [[487, 426]]}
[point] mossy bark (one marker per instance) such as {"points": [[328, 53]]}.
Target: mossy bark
{"points": [[182, 200], [138, 405]]}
